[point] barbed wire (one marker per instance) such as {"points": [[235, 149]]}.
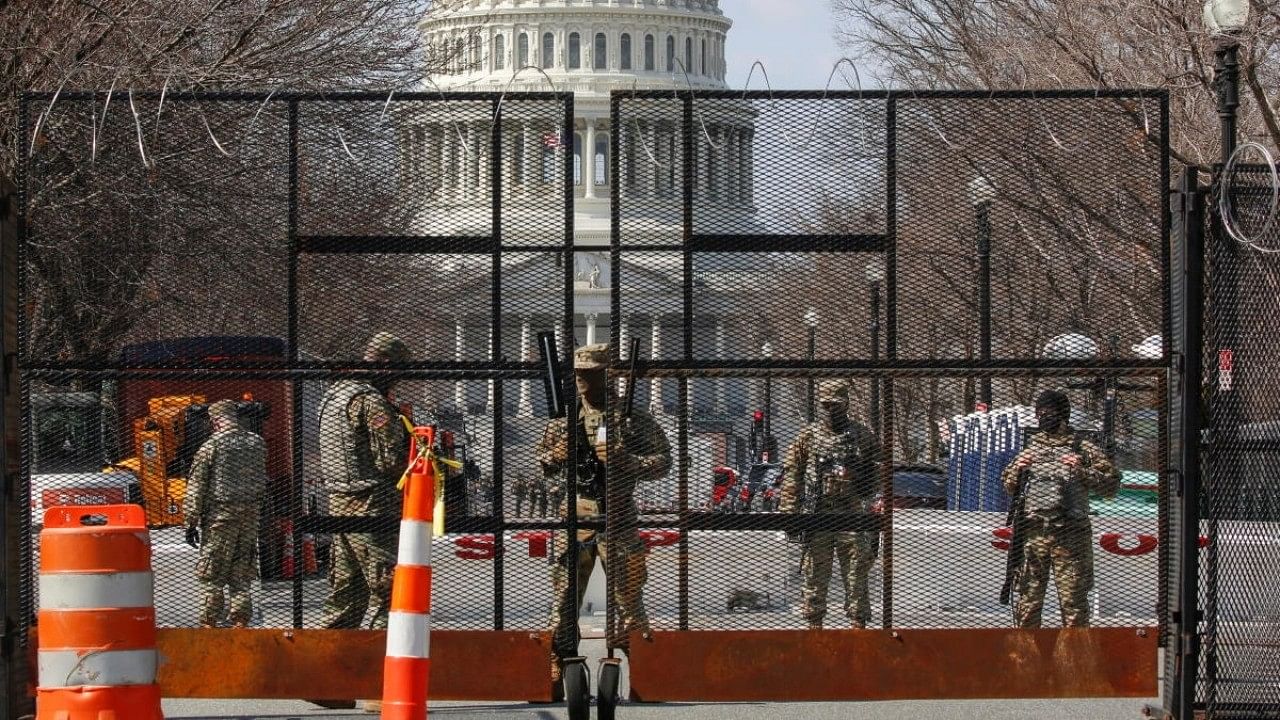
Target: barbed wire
{"points": [[1226, 203]]}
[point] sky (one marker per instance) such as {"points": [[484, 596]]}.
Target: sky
{"points": [[792, 38]]}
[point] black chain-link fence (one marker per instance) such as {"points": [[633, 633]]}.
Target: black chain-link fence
{"points": [[934, 254], [846, 306], [1240, 506], [186, 249]]}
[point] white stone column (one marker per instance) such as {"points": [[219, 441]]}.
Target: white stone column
{"points": [[532, 157], [624, 349], [484, 153], [718, 396], [448, 151], [489, 407], [525, 408], [591, 327], [731, 167], [459, 347], [589, 159], [469, 151], [655, 353], [429, 167], [512, 144]]}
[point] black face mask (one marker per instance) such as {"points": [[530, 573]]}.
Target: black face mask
{"points": [[1050, 421]]}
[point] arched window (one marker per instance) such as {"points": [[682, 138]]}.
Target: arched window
{"points": [[548, 50], [671, 53], [522, 50], [499, 51], [575, 51], [648, 52], [577, 158], [600, 56], [601, 159], [625, 51], [702, 68], [688, 55]]}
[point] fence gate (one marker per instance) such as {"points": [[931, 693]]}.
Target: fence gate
{"points": [[944, 256], [938, 253], [1226, 659], [176, 250]]}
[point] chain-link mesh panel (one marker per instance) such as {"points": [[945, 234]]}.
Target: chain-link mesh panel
{"points": [[327, 264], [1018, 237], [1242, 557]]}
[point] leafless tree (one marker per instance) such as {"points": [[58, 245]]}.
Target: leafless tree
{"points": [[147, 215], [1075, 44]]}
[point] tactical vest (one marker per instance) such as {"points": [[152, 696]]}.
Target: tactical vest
{"points": [[345, 462], [591, 485], [840, 474], [239, 466], [1052, 487]]}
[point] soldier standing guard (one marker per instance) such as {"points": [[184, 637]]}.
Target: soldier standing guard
{"points": [[831, 468], [1056, 472], [224, 496], [633, 450], [363, 452]]}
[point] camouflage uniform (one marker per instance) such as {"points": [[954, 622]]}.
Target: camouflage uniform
{"points": [[533, 488], [829, 472], [363, 452], [224, 495], [1057, 532], [638, 451]]}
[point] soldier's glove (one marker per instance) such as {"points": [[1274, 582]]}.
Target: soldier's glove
{"points": [[193, 536], [795, 536]]}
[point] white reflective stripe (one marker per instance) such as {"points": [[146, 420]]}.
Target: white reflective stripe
{"points": [[71, 668], [76, 591], [415, 543], [408, 635]]}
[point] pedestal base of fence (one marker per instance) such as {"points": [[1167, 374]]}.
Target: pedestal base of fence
{"points": [[347, 664], [833, 665]]}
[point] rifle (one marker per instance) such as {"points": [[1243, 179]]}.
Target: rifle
{"points": [[589, 471], [1016, 521]]}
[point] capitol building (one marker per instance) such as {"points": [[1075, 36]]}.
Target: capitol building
{"points": [[589, 47]]}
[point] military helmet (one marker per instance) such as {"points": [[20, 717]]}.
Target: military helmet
{"points": [[1056, 400], [833, 391], [385, 346], [225, 409], [592, 357]]}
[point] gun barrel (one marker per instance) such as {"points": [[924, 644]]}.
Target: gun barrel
{"points": [[551, 380]]}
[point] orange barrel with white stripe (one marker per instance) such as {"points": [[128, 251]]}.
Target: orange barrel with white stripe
{"points": [[408, 663], [97, 622]]}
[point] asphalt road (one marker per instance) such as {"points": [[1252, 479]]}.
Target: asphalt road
{"points": [[1099, 709]]}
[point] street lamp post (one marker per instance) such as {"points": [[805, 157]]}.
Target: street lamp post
{"points": [[811, 322], [875, 276], [982, 195]]}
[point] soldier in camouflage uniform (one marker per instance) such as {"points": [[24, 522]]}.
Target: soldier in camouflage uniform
{"points": [[533, 488], [1059, 471], [363, 452], [634, 450], [224, 495], [831, 468]]}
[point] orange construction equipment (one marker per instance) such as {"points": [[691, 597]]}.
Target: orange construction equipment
{"points": [[408, 662], [97, 621]]}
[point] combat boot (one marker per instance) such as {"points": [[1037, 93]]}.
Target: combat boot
{"points": [[373, 706]]}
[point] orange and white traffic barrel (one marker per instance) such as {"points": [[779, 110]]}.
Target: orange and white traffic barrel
{"points": [[407, 667], [97, 623]]}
